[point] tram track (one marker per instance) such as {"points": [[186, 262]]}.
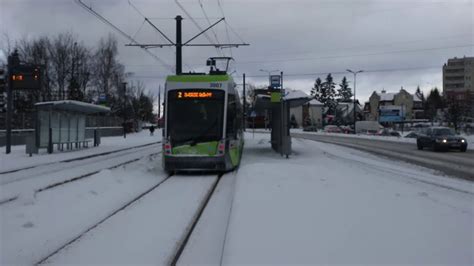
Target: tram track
{"points": [[101, 221], [77, 158], [61, 182], [194, 222], [182, 236]]}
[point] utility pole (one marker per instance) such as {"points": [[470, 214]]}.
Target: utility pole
{"points": [[282, 128], [124, 84], [354, 110], [179, 46], [13, 62], [244, 116], [179, 43], [159, 104]]}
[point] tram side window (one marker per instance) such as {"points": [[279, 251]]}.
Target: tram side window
{"points": [[231, 117]]}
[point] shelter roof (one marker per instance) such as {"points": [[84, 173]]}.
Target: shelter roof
{"points": [[73, 106]]}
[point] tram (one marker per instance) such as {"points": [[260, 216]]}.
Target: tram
{"points": [[203, 121]]}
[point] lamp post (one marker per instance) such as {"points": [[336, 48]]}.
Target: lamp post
{"points": [[355, 78]]}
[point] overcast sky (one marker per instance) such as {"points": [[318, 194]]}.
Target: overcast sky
{"points": [[396, 42]]}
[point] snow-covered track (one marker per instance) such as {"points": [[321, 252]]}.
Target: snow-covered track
{"points": [[40, 182], [156, 224], [77, 158], [123, 207], [194, 222]]}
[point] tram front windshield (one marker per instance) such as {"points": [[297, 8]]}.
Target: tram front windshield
{"points": [[195, 115]]}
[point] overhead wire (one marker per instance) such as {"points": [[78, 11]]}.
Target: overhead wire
{"points": [[226, 26], [161, 33], [208, 21], [196, 24], [125, 35], [356, 55]]}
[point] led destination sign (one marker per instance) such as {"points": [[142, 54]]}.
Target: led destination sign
{"points": [[195, 94]]}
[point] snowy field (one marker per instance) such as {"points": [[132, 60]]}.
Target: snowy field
{"points": [[326, 204], [19, 159], [469, 138]]}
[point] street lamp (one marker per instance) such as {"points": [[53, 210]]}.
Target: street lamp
{"points": [[355, 76]]}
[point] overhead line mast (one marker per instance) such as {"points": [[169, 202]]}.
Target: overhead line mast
{"points": [[179, 43]]}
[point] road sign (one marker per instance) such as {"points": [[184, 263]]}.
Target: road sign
{"points": [[275, 81], [102, 97]]}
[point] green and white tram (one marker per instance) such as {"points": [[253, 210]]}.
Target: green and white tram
{"points": [[203, 122]]}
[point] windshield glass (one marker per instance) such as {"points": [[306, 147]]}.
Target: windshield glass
{"points": [[195, 115], [443, 132]]}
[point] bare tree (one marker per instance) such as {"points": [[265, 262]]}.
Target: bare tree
{"points": [[60, 53], [107, 70]]}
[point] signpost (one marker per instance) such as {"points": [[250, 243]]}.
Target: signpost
{"points": [[20, 77]]}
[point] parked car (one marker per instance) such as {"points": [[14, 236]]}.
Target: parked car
{"points": [[332, 129], [388, 132], [310, 128], [412, 135], [440, 138], [346, 130]]}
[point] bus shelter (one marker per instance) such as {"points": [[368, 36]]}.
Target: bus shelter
{"points": [[64, 123], [280, 116]]}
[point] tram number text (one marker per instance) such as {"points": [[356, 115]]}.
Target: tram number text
{"points": [[216, 85]]}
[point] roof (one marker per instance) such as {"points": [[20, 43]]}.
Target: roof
{"points": [[197, 78], [73, 106], [387, 96], [315, 102], [295, 94]]}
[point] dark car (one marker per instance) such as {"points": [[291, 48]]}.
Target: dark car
{"points": [[440, 138]]}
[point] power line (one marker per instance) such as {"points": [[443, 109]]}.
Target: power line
{"points": [[208, 20], [131, 39], [355, 55], [196, 24], [322, 73]]}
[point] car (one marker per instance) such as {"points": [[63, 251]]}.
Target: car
{"points": [[332, 129], [388, 132], [310, 128], [346, 130], [412, 135], [440, 138]]}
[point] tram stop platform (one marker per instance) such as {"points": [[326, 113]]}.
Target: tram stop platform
{"points": [[63, 123], [277, 108]]}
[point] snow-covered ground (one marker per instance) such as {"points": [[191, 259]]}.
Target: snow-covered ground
{"points": [[326, 204], [469, 138], [19, 159], [332, 205], [33, 229]]}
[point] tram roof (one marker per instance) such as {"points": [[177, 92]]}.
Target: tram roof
{"points": [[198, 78]]}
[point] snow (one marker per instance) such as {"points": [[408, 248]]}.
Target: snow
{"points": [[148, 232], [333, 205], [208, 238], [295, 94], [326, 204], [32, 230], [315, 102], [19, 159], [469, 138]]}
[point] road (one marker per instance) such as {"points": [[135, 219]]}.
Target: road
{"points": [[455, 163]]}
